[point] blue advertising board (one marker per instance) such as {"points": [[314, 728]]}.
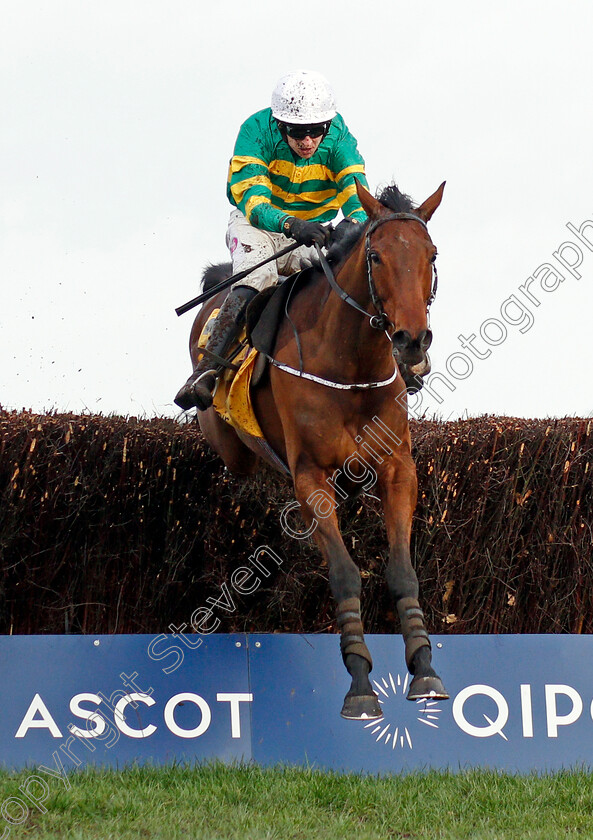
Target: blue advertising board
{"points": [[103, 700], [518, 703]]}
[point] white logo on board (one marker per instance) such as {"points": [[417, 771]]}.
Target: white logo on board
{"points": [[396, 728]]}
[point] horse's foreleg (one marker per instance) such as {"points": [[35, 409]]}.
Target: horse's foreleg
{"points": [[399, 500], [317, 500]]}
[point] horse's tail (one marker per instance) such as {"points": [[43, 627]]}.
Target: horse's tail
{"points": [[215, 273]]}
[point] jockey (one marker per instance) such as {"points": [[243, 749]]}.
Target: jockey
{"points": [[294, 167]]}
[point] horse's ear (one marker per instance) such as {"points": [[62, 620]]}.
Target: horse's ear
{"points": [[370, 205], [428, 207]]}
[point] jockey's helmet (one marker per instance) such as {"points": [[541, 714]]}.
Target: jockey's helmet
{"points": [[303, 97]]}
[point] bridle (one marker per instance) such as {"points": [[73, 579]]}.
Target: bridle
{"points": [[379, 320]]}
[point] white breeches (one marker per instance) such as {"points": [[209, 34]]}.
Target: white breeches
{"points": [[250, 245]]}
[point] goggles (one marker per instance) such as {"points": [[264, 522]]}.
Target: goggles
{"points": [[299, 132]]}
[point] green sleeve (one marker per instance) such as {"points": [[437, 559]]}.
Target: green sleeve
{"points": [[249, 186], [348, 164]]}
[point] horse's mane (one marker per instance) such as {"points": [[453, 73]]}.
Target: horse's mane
{"points": [[390, 197], [395, 200]]}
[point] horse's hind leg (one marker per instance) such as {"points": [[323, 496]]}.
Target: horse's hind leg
{"points": [[238, 458], [316, 500], [399, 501]]}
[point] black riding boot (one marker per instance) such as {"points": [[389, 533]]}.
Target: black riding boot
{"points": [[225, 331]]}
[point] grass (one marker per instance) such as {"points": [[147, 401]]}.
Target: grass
{"points": [[216, 802]]}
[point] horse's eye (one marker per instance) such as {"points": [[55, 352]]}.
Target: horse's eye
{"points": [[433, 259], [375, 257]]}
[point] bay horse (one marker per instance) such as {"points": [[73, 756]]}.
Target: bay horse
{"points": [[342, 360]]}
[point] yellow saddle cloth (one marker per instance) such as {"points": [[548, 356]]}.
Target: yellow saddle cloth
{"points": [[232, 398]]}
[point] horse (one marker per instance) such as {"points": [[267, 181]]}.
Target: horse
{"points": [[335, 397]]}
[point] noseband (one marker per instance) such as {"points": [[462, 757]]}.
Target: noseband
{"points": [[380, 320]]}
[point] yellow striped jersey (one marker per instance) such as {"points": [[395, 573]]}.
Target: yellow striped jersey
{"points": [[267, 181]]}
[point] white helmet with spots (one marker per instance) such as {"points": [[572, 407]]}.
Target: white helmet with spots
{"points": [[303, 98]]}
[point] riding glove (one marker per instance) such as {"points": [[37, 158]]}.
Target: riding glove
{"points": [[345, 230], [305, 233]]}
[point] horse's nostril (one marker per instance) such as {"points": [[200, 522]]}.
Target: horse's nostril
{"points": [[401, 339], [425, 339]]}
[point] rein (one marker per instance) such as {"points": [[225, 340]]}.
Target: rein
{"points": [[378, 321]]}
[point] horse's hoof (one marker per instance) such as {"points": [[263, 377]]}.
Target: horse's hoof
{"points": [[361, 707], [427, 688]]}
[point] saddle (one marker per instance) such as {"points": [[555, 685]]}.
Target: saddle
{"points": [[264, 315]]}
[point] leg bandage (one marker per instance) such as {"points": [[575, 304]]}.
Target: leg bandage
{"points": [[350, 626], [413, 627]]}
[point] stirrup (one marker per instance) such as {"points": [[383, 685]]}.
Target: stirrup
{"points": [[213, 373]]}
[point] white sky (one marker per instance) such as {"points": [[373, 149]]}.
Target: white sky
{"points": [[118, 120]]}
